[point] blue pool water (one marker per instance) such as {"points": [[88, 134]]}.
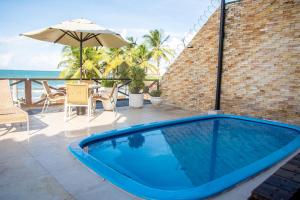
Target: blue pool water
{"points": [[186, 156]]}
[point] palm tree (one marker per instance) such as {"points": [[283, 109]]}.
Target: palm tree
{"points": [[113, 58], [105, 62], [130, 55], [91, 58], [140, 56], [156, 41]]}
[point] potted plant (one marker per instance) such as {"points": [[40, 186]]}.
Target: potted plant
{"points": [[155, 97], [136, 86], [107, 87]]}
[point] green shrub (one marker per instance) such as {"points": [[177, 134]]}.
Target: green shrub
{"points": [[107, 83], [155, 93], [123, 72], [146, 90], [137, 76]]}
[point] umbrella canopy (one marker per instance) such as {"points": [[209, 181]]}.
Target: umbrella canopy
{"points": [[78, 33]]}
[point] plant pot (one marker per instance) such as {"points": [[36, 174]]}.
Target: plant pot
{"points": [[136, 100], [155, 101], [107, 104]]}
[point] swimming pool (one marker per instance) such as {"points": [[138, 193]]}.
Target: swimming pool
{"points": [[187, 158]]}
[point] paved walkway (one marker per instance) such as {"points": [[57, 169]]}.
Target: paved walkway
{"points": [[42, 168]]}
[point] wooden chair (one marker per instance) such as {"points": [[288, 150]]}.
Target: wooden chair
{"points": [[77, 96], [52, 97], [9, 113], [110, 99]]}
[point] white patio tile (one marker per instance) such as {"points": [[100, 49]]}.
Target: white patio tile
{"points": [[44, 187], [41, 167], [106, 192]]}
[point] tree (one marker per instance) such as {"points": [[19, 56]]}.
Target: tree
{"points": [[140, 56], [156, 41], [109, 62], [131, 55], [91, 59], [113, 58]]}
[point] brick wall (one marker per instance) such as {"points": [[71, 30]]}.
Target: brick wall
{"points": [[188, 82], [261, 74]]}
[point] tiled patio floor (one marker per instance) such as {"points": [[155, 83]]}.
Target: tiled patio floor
{"points": [[42, 168]]}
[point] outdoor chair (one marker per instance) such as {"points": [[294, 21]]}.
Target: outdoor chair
{"points": [[9, 113], [52, 97], [89, 82], [93, 85], [109, 101], [77, 95]]}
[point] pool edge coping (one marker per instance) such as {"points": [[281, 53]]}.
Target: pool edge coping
{"points": [[203, 191]]}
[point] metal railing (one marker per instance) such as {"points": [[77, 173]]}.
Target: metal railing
{"points": [[24, 88]]}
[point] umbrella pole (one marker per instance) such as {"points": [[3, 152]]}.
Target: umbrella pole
{"points": [[80, 58]]}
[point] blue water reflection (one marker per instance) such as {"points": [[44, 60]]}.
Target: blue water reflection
{"points": [[190, 154]]}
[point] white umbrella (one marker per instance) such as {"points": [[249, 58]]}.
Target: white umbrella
{"points": [[79, 33]]}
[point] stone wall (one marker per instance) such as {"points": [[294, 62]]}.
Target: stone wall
{"points": [[261, 74], [188, 83]]}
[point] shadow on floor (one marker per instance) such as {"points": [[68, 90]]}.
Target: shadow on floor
{"points": [[35, 125]]}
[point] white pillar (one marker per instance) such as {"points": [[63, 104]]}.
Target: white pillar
{"points": [[15, 91]]}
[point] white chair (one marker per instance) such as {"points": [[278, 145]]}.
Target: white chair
{"points": [[52, 97], [77, 95], [109, 101], [9, 113]]}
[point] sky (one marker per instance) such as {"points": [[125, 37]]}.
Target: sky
{"points": [[129, 18]]}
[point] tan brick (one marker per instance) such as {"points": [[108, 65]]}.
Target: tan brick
{"points": [[261, 63]]}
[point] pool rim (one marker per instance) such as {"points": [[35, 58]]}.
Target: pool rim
{"points": [[203, 191]]}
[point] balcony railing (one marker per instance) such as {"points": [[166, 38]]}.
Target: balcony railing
{"points": [[29, 91]]}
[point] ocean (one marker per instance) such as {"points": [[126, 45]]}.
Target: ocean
{"points": [[6, 73], [37, 89]]}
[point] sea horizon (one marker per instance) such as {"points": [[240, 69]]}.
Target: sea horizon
{"points": [[37, 89], [15, 73]]}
